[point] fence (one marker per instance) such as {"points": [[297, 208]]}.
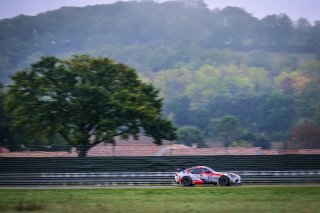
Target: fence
{"points": [[138, 178], [103, 150], [154, 170]]}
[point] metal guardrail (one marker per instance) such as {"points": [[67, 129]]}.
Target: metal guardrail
{"points": [[140, 178]]}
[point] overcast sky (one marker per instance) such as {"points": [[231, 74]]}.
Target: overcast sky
{"points": [[258, 8]]}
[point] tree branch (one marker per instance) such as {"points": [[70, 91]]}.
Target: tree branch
{"points": [[64, 137]]}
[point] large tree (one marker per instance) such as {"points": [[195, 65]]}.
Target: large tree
{"points": [[227, 129], [87, 101], [4, 125], [190, 135]]}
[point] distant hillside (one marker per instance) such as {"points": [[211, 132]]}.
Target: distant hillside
{"points": [[225, 74], [149, 36]]}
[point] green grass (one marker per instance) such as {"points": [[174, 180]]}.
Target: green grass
{"points": [[195, 199]]}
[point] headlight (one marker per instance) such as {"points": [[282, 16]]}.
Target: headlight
{"points": [[234, 175]]}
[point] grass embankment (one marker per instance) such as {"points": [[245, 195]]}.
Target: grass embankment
{"points": [[196, 199]]}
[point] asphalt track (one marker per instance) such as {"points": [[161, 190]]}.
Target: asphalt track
{"points": [[157, 186]]}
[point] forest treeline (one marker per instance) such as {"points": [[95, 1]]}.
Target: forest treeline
{"points": [[224, 74], [149, 35]]}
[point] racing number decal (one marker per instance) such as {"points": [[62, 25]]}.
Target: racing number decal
{"points": [[210, 177]]}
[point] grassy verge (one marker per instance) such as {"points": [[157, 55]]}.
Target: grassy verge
{"points": [[196, 199]]}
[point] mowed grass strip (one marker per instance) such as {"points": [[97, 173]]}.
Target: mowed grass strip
{"points": [[195, 199]]}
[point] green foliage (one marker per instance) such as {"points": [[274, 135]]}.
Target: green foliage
{"points": [[4, 122], [86, 101], [149, 35], [265, 102], [190, 135], [207, 63], [226, 129], [209, 81], [277, 31], [240, 144], [181, 113]]}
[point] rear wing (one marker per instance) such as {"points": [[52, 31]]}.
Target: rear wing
{"points": [[180, 169]]}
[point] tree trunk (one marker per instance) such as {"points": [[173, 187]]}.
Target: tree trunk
{"points": [[226, 141], [83, 149]]}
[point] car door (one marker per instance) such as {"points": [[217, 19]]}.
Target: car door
{"points": [[206, 176], [196, 173]]}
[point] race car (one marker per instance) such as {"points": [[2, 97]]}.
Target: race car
{"points": [[205, 175]]}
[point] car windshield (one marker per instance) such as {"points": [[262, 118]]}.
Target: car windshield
{"points": [[211, 170], [205, 167]]}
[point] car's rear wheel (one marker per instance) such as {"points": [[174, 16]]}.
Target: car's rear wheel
{"points": [[186, 181], [224, 181]]}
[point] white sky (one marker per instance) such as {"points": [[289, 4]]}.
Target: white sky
{"points": [[309, 9]]}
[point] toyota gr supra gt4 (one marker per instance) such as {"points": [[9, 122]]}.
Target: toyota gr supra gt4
{"points": [[205, 175]]}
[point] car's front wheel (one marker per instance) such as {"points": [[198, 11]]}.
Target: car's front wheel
{"points": [[186, 181], [224, 181]]}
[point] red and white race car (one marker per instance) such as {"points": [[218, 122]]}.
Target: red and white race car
{"points": [[205, 175]]}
